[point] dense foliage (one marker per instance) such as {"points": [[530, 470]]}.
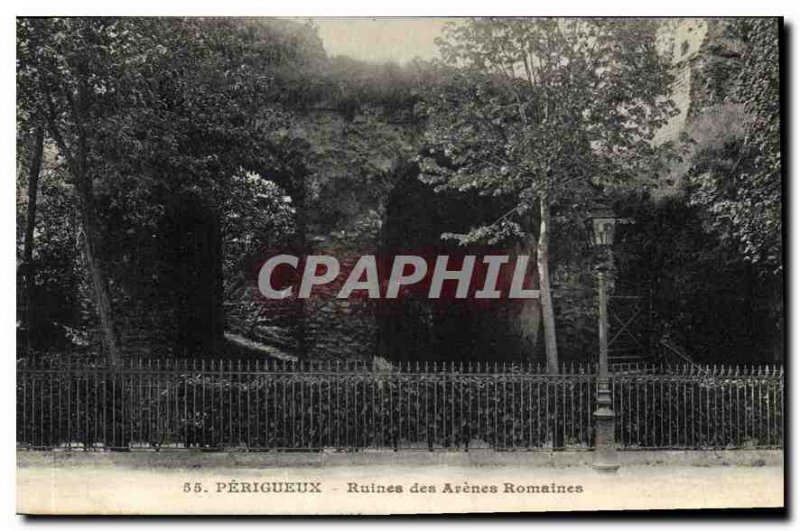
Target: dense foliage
{"points": [[149, 117], [160, 159], [736, 173]]}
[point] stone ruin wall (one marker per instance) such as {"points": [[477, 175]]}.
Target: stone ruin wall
{"points": [[681, 40]]}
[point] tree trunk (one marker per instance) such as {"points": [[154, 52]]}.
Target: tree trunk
{"points": [[99, 282], [527, 321], [27, 253], [542, 262], [77, 163], [300, 199]]}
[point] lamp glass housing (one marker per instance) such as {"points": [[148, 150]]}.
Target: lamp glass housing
{"points": [[603, 223]]}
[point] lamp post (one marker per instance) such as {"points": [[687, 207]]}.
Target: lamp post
{"points": [[602, 224]]}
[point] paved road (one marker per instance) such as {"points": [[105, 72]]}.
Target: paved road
{"points": [[137, 485]]}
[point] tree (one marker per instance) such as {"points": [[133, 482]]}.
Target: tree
{"points": [[27, 266], [545, 113], [54, 75], [149, 113], [56, 311]]}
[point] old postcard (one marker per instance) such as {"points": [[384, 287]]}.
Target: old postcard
{"points": [[398, 265]]}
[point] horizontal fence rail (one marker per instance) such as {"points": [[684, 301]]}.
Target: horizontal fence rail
{"points": [[232, 404]]}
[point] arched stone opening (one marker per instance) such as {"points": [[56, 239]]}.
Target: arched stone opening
{"points": [[420, 329]]}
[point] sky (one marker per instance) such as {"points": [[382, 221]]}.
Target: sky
{"points": [[381, 39]]}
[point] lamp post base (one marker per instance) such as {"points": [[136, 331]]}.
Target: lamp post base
{"points": [[606, 467], [605, 452]]}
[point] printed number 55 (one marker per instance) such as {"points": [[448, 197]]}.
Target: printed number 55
{"points": [[192, 487]]}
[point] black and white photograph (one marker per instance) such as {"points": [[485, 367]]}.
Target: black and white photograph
{"points": [[399, 265]]}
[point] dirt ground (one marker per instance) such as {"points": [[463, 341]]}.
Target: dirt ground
{"points": [[389, 482]]}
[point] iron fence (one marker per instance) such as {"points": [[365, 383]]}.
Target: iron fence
{"points": [[276, 405]]}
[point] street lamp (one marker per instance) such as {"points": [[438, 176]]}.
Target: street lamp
{"points": [[603, 221]]}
